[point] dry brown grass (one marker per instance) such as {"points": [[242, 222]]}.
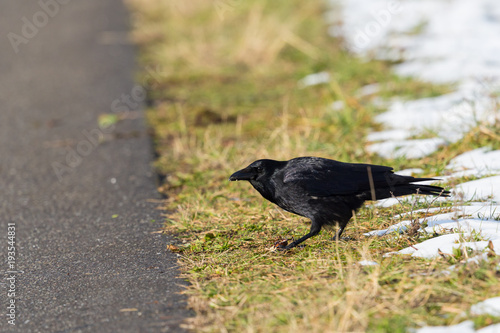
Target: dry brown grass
{"points": [[235, 33]]}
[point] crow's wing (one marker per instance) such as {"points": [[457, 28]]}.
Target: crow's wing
{"points": [[323, 177]]}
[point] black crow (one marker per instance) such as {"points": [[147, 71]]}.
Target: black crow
{"points": [[327, 191]]}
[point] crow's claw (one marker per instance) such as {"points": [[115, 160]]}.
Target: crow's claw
{"points": [[281, 244]]}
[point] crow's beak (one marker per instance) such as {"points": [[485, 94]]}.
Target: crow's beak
{"points": [[245, 174]]}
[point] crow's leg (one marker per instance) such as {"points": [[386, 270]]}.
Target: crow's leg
{"points": [[341, 227], [337, 236], [338, 233], [315, 229]]}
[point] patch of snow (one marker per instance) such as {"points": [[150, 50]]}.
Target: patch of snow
{"points": [[369, 89], [409, 199], [368, 263], [406, 148], [481, 161], [398, 227], [450, 116], [481, 189], [465, 173], [424, 210], [490, 329], [442, 41], [445, 245], [338, 105], [314, 79], [409, 172], [389, 202], [479, 220], [490, 306], [463, 327], [394, 134]]}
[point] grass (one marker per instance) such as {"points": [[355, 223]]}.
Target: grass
{"points": [[222, 89]]}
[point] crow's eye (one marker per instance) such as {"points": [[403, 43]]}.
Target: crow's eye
{"points": [[259, 169]]}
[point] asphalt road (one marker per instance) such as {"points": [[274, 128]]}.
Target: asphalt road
{"points": [[78, 197]]}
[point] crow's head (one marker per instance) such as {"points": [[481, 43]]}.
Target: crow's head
{"points": [[258, 170]]}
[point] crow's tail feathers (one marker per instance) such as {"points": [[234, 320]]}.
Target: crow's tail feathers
{"points": [[405, 185], [430, 190], [412, 189]]}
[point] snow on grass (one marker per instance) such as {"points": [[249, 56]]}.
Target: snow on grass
{"points": [[472, 227], [409, 199], [409, 172], [314, 79], [447, 245], [490, 306], [406, 148], [369, 89], [450, 116], [439, 40], [476, 210], [490, 329], [481, 189], [435, 40], [478, 162], [395, 134], [368, 263], [464, 327]]}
